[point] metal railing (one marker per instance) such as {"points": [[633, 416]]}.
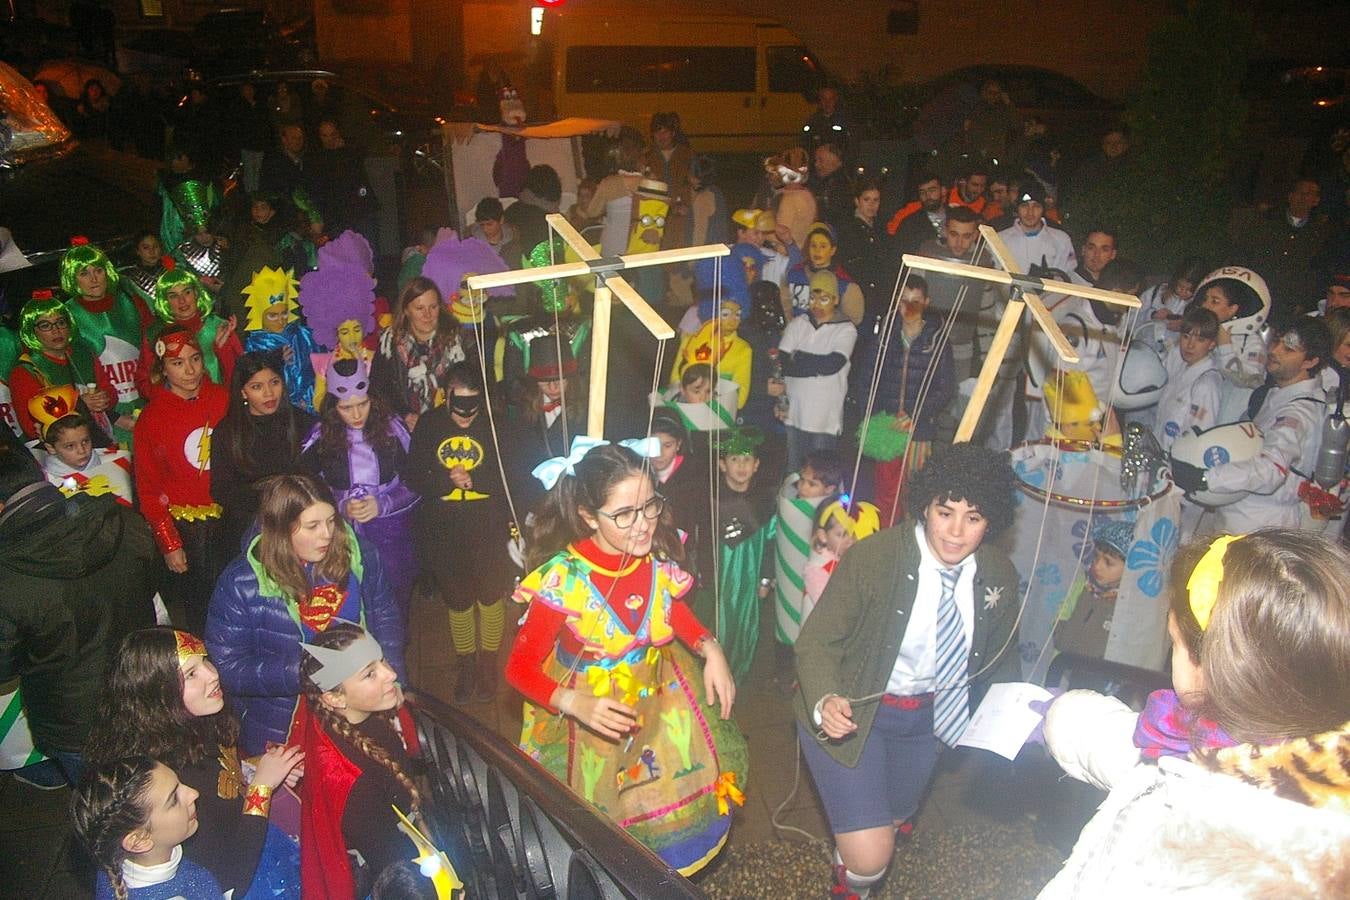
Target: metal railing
{"points": [[513, 831]]}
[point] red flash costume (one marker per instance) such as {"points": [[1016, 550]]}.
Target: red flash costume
{"points": [[172, 450]]}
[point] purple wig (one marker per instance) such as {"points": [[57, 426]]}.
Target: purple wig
{"points": [[334, 293], [451, 260]]}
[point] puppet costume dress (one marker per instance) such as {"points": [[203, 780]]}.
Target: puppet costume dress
{"points": [[670, 784]]}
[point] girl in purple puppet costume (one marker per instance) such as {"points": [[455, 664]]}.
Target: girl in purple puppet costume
{"points": [[360, 449]]}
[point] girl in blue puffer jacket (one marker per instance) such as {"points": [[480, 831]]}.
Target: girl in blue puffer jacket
{"points": [[305, 569]]}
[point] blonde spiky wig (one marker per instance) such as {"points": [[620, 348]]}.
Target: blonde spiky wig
{"points": [[268, 288]]}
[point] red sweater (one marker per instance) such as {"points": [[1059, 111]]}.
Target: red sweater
{"points": [[172, 453], [24, 385], [543, 626]]}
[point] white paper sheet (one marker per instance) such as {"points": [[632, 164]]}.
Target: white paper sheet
{"points": [[1004, 721]]}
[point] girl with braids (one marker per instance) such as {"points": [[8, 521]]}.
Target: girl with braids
{"points": [[360, 450], [305, 570], [133, 816], [353, 728], [1237, 779], [180, 298], [164, 701], [260, 436], [614, 707]]}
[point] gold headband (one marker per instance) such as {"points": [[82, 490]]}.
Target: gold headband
{"points": [[188, 646], [1202, 589]]}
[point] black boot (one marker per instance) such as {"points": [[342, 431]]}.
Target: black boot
{"points": [[487, 676], [464, 684]]}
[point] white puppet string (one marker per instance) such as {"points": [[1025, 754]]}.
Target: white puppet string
{"points": [[480, 331], [571, 670]]}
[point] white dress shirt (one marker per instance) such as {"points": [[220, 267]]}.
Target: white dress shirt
{"points": [[916, 664]]}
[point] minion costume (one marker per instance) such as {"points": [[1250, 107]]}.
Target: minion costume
{"points": [[269, 289], [651, 209]]}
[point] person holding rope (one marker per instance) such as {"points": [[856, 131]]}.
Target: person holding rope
{"points": [[915, 624]]}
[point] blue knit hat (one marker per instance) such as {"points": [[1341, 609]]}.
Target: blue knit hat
{"points": [[1115, 534]]}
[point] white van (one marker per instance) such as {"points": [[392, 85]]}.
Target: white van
{"points": [[739, 83]]}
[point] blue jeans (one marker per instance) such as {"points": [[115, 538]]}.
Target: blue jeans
{"points": [[801, 444]]}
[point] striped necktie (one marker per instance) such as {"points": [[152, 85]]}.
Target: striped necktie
{"points": [[951, 710]]}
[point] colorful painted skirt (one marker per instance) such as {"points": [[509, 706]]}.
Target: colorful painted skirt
{"points": [[671, 783]]}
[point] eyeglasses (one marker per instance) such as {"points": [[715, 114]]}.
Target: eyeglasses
{"points": [[647, 221], [45, 325], [627, 517]]}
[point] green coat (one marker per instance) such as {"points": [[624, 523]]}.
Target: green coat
{"points": [[851, 640]]}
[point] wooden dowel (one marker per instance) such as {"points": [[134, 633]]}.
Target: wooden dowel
{"points": [[650, 318], [595, 413], [998, 348]]}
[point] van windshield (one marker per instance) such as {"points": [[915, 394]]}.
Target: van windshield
{"points": [[637, 69]]}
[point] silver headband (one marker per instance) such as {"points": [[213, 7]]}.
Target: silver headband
{"points": [[339, 665]]}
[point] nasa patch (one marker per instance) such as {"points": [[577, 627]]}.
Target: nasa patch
{"points": [[1215, 456], [1172, 429]]}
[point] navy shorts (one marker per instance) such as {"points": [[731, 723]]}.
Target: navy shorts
{"points": [[890, 779]]}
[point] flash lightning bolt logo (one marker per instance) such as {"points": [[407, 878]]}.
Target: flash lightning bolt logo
{"points": [[197, 448]]}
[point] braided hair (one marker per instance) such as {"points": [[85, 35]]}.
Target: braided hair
{"points": [[338, 636], [108, 805]]}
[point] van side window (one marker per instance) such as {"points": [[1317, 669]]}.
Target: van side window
{"points": [[651, 69], [792, 70]]}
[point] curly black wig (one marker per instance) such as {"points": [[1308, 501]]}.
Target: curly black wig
{"points": [[979, 476]]}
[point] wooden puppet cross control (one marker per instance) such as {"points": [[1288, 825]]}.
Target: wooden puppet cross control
{"points": [[609, 284], [1025, 296]]}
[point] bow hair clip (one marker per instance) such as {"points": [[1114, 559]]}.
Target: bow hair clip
{"points": [[550, 470]]}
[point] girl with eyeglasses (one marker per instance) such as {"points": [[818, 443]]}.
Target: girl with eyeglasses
{"points": [[616, 707]]}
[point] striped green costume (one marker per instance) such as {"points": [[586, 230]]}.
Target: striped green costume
{"points": [[792, 545]]}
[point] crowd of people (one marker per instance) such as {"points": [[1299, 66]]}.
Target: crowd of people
{"points": [[232, 467]]}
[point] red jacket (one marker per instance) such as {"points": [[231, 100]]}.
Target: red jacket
{"points": [[172, 453]]}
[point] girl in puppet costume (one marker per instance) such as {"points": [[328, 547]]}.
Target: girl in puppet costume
{"points": [[359, 739], [452, 260], [744, 533], [840, 524], [273, 325], [54, 356], [615, 707], [108, 321], [181, 299], [716, 342], [821, 247], [338, 300], [360, 450], [164, 700], [558, 309]]}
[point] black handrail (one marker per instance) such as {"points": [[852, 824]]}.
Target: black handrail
{"points": [[513, 831]]}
